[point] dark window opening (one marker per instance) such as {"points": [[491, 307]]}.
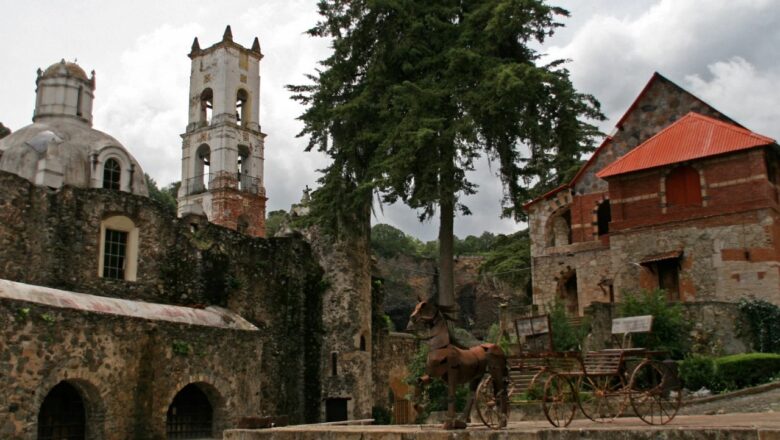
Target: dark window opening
{"points": [[114, 253], [190, 415], [569, 295], [683, 187], [362, 343], [112, 174], [334, 358], [62, 415], [335, 410], [604, 216], [242, 114], [206, 105], [242, 225], [244, 180], [669, 278], [78, 101]]}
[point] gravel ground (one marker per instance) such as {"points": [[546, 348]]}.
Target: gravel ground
{"points": [[768, 401]]}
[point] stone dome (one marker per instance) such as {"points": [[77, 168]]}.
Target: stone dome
{"points": [[65, 151], [65, 68]]}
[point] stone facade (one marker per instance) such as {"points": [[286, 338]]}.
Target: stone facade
{"points": [[593, 239], [276, 284]]}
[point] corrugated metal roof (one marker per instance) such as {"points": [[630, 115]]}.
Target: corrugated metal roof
{"points": [[694, 136], [210, 316]]}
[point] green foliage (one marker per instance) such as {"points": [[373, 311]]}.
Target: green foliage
{"points": [[509, 259], [274, 221], [166, 196], [504, 341], [566, 336], [48, 318], [381, 415], [181, 348], [761, 323], [23, 313], [730, 373], [670, 328], [388, 322], [388, 242], [434, 396], [697, 372]]}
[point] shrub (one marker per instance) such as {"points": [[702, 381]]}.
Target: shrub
{"points": [[566, 337], [746, 370], [381, 415], [762, 320], [670, 328], [697, 372]]}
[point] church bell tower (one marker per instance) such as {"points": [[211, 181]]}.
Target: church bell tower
{"points": [[222, 148]]}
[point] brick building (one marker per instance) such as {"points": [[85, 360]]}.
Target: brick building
{"points": [[679, 197]]}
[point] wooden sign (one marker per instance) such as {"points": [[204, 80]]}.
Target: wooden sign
{"points": [[534, 325], [632, 324]]}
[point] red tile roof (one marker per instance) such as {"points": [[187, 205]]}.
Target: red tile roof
{"points": [[694, 136]]}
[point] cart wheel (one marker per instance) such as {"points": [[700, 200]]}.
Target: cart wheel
{"points": [[602, 398], [489, 405], [559, 401], [655, 392]]}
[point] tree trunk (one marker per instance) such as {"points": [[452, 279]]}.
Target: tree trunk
{"points": [[446, 232]]}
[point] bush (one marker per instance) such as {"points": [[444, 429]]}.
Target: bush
{"points": [[381, 416], [566, 337], [670, 328], [697, 372], [763, 324], [746, 370]]}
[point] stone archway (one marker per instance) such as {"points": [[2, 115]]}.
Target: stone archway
{"points": [[195, 390], [69, 408]]}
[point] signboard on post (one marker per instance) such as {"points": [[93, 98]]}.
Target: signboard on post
{"points": [[532, 325], [632, 324]]}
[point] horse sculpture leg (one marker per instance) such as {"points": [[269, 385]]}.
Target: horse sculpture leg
{"points": [[470, 403], [452, 385], [498, 370]]}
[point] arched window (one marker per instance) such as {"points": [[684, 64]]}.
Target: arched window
{"points": [[190, 415], [559, 228], [603, 217], [683, 187], [118, 258], [112, 174], [242, 107], [244, 180], [62, 415], [202, 165], [206, 105]]}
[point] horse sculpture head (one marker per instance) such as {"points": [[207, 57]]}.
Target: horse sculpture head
{"points": [[423, 317]]}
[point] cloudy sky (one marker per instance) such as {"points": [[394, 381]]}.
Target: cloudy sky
{"points": [[725, 51]]}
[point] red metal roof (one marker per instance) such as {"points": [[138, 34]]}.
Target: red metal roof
{"points": [[694, 136]]}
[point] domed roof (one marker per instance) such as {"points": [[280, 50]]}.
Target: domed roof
{"points": [[64, 68], [69, 147]]}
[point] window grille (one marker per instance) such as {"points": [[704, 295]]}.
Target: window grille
{"points": [[114, 254], [190, 415], [62, 415]]}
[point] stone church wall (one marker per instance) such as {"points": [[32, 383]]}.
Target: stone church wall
{"points": [[52, 239]]}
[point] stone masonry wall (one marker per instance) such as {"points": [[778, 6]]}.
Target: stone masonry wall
{"points": [[127, 370], [52, 239]]}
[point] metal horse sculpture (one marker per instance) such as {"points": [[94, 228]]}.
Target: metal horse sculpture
{"points": [[455, 365]]}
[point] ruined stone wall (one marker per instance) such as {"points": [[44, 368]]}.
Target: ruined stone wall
{"points": [[52, 239], [346, 320], [393, 353], [127, 370]]}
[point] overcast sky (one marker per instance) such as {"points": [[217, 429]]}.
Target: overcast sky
{"points": [[727, 52]]}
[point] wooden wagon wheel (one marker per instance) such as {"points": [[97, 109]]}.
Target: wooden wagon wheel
{"points": [[489, 406], [559, 401], [602, 398], [655, 392]]}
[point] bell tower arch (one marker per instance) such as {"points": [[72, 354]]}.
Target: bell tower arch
{"points": [[223, 146]]}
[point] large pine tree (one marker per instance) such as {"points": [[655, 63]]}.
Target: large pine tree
{"points": [[416, 91]]}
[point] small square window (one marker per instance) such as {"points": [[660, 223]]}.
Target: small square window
{"points": [[114, 254]]}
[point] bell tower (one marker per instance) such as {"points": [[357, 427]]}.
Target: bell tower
{"points": [[222, 148]]}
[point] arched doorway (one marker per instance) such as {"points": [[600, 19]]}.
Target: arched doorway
{"points": [[190, 415], [62, 415], [568, 294]]}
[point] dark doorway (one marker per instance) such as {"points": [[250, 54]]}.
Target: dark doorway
{"points": [[603, 217], [335, 409], [669, 278], [190, 415], [569, 295], [62, 415]]}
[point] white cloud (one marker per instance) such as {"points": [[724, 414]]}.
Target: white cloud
{"points": [[746, 94]]}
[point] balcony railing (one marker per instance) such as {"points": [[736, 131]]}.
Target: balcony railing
{"points": [[211, 181]]}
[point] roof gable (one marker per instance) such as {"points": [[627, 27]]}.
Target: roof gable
{"points": [[692, 137]]}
